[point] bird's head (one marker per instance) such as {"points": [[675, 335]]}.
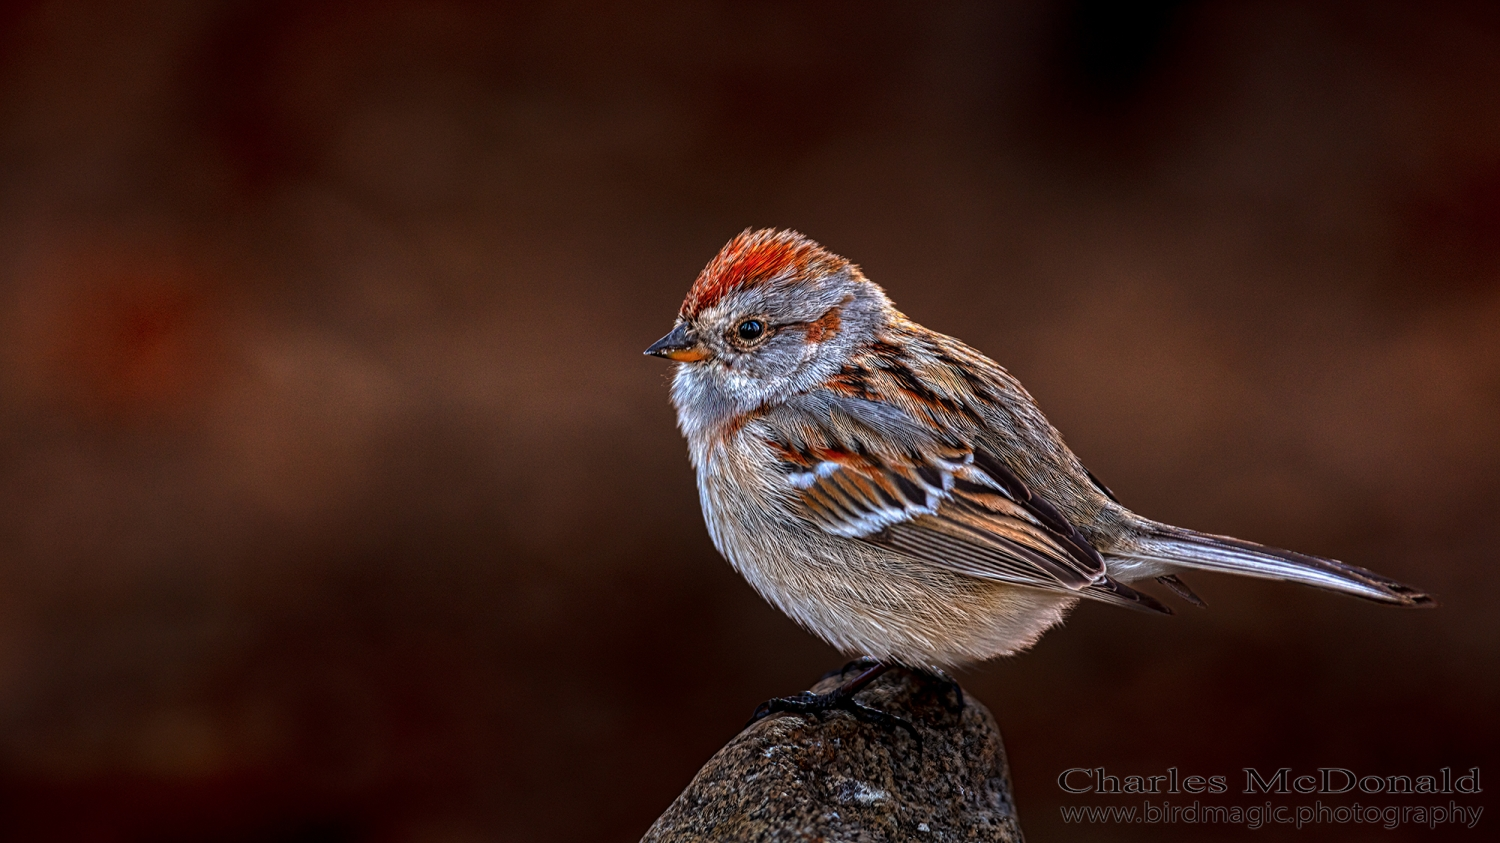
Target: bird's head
{"points": [[772, 314]]}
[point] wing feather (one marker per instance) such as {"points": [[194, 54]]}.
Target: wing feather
{"points": [[960, 509]]}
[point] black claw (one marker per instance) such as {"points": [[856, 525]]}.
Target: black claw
{"points": [[957, 692], [865, 714], [810, 703], [803, 702], [839, 699], [762, 711]]}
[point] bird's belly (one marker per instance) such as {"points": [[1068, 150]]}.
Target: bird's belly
{"points": [[866, 600]]}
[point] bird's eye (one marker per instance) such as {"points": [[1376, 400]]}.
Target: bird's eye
{"points": [[750, 330]]}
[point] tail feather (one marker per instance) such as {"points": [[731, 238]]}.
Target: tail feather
{"points": [[1227, 555], [1180, 588]]}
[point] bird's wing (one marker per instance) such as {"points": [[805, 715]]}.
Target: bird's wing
{"points": [[949, 504]]}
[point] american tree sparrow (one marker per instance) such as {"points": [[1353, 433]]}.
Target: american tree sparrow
{"points": [[896, 492]]}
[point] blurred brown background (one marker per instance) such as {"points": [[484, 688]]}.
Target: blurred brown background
{"points": [[337, 502]]}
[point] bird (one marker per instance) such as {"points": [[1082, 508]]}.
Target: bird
{"points": [[899, 494]]}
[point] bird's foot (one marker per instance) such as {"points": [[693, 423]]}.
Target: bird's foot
{"points": [[810, 703], [839, 699], [952, 694], [861, 663]]}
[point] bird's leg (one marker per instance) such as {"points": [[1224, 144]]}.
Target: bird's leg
{"points": [[839, 699], [862, 662]]}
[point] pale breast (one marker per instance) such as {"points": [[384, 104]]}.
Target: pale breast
{"points": [[862, 599]]}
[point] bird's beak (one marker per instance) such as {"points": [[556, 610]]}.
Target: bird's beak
{"points": [[680, 345]]}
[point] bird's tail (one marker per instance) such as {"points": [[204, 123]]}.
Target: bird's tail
{"points": [[1223, 554]]}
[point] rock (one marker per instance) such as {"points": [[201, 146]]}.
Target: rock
{"points": [[830, 777]]}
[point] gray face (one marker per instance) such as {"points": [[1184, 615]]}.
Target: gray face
{"points": [[807, 329]]}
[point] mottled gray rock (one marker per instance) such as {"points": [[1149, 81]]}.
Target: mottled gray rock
{"points": [[829, 777]]}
